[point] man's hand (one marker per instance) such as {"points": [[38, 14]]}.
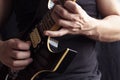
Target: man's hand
{"points": [[15, 53], [73, 20]]}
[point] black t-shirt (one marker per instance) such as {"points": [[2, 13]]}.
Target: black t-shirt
{"points": [[84, 66]]}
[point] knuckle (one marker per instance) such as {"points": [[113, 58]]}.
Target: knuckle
{"points": [[13, 40], [74, 8], [58, 21], [89, 33], [16, 55], [18, 45], [74, 30], [62, 12], [13, 64]]}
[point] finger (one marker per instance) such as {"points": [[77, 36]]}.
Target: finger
{"points": [[67, 23], [58, 33], [73, 7], [20, 63], [59, 21], [74, 30], [63, 13], [19, 45], [20, 54]]}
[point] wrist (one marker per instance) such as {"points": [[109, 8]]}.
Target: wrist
{"points": [[93, 32]]}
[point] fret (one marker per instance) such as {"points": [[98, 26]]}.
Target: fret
{"points": [[50, 21], [40, 27], [47, 23], [47, 20], [45, 27]]}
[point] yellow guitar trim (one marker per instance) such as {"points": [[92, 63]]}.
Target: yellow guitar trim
{"points": [[56, 67], [48, 45]]}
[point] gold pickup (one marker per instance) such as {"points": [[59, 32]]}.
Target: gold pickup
{"points": [[35, 37]]}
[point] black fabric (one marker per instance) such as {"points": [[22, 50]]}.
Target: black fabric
{"points": [[84, 66], [25, 10], [109, 60]]}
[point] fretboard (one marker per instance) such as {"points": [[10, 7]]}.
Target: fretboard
{"points": [[46, 23]]}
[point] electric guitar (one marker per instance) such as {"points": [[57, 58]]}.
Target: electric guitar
{"points": [[42, 47]]}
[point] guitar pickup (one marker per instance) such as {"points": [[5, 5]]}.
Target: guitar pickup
{"points": [[35, 37]]}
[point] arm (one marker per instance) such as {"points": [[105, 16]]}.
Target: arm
{"points": [[5, 10], [75, 20], [108, 28]]}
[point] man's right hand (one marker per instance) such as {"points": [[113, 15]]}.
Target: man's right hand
{"points": [[15, 53]]}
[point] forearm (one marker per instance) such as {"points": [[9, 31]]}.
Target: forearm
{"points": [[107, 29]]}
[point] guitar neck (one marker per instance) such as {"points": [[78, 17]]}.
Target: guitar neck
{"points": [[47, 23]]}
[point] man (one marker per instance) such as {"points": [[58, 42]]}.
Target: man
{"points": [[80, 24]]}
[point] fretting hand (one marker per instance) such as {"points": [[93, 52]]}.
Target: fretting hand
{"points": [[73, 20]]}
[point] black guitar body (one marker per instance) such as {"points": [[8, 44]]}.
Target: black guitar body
{"points": [[45, 62]]}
